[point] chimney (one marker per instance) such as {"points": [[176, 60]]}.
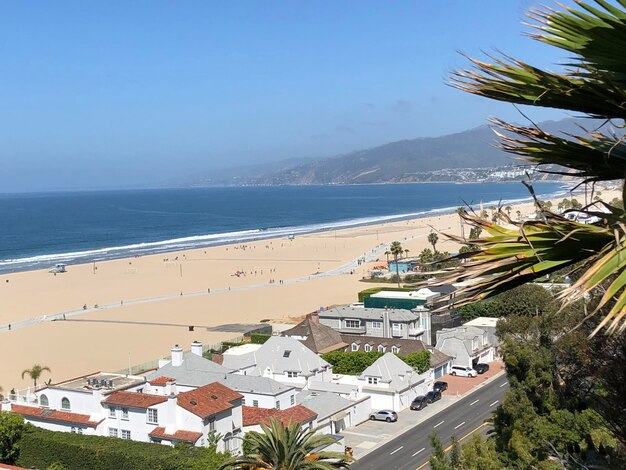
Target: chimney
{"points": [[177, 356], [315, 318], [196, 348], [170, 388]]}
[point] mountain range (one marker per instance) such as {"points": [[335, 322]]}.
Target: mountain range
{"points": [[413, 160]]}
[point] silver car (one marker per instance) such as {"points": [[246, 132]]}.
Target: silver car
{"points": [[384, 415]]}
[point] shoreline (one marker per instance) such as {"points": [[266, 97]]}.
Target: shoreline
{"points": [[172, 246], [150, 302]]}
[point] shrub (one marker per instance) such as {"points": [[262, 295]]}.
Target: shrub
{"points": [[41, 448], [259, 338]]}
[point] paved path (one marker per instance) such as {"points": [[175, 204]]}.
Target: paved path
{"points": [[346, 268]]}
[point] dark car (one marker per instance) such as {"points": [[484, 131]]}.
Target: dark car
{"points": [[419, 403], [440, 386], [481, 368], [433, 396]]}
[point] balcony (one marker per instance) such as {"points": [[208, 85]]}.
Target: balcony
{"points": [[413, 332]]}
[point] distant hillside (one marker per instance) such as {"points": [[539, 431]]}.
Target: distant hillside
{"points": [[414, 160]]}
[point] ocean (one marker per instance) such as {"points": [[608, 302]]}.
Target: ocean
{"points": [[39, 230]]}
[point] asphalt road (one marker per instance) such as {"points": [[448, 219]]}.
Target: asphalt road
{"points": [[412, 449]]}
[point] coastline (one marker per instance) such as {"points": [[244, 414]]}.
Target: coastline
{"points": [[146, 304]]}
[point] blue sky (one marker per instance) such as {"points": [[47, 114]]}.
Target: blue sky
{"points": [[119, 93]]}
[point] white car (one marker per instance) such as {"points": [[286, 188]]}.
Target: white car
{"points": [[463, 371]]}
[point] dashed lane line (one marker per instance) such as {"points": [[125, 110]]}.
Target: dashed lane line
{"points": [[399, 448], [438, 424], [459, 425]]}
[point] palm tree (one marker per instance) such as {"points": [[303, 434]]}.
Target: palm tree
{"points": [[387, 253], [433, 238], [35, 372], [281, 447], [591, 84], [396, 250], [508, 210], [459, 212], [406, 252]]}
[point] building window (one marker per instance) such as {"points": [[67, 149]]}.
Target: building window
{"points": [[395, 349], [353, 324], [377, 325], [368, 347], [212, 425], [255, 403], [243, 401], [79, 430], [125, 434], [65, 403], [396, 326], [112, 412], [112, 432], [277, 405], [43, 401], [381, 348], [153, 416], [292, 375], [73, 430], [293, 399], [355, 347], [125, 414], [372, 380]]}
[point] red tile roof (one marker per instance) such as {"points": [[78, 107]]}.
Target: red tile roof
{"points": [[161, 380], [180, 435], [5, 466], [296, 414], [208, 400], [134, 399], [45, 414]]}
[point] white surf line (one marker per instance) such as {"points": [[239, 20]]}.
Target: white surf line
{"points": [[399, 448], [438, 424], [494, 403], [459, 425], [474, 402], [421, 450], [503, 384]]}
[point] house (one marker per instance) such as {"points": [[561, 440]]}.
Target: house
{"points": [[440, 363], [335, 413], [407, 300], [283, 359], [392, 383], [488, 325], [128, 407], [379, 322], [191, 370], [317, 337], [467, 345]]}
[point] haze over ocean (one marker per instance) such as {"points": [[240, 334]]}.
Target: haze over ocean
{"points": [[41, 229]]}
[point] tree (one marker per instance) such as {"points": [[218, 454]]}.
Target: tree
{"points": [[387, 253], [592, 85], [35, 372], [508, 210], [460, 212], [420, 361], [433, 238], [396, 251], [11, 428], [289, 447]]}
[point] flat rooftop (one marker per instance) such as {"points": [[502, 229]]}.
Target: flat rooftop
{"points": [[482, 321], [421, 294], [104, 381]]}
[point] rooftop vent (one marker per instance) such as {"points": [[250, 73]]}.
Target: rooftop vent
{"points": [[287, 353], [193, 402], [214, 397]]}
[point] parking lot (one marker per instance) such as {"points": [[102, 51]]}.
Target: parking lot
{"points": [[458, 386]]}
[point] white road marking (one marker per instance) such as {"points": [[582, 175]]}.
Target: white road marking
{"points": [[391, 453], [438, 424], [494, 403], [503, 384], [474, 402], [421, 450], [459, 425]]}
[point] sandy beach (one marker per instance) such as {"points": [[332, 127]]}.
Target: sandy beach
{"points": [[145, 305]]}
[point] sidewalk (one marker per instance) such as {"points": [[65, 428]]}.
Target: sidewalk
{"points": [[369, 435]]}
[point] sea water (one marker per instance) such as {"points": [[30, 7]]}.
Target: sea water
{"points": [[39, 230]]}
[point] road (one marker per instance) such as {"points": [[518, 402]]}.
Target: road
{"points": [[412, 449]]}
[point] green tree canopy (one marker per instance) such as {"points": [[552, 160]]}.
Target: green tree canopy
{"points": [[11, 428]]}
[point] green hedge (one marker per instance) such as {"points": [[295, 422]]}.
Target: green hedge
{"points": [[374, 290], [40, 448], [259, 338]]}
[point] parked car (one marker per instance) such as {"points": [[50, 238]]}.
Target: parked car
{"points": [[463, 371], [440, 386], [419, 403], [481, 368], [433, 396], [384, 415]]}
